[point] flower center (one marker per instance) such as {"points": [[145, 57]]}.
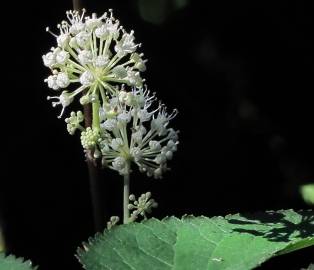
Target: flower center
{"points": [[99, 73]]}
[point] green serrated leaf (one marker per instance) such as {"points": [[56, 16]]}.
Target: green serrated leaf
{"points": [[236, 242], [12, 263], [307, 242]]}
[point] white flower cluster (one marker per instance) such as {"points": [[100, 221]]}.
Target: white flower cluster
{"points": [[94, 53], [130, 131], [98, 56]]}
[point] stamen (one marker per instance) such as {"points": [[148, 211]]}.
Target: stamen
{"points": [[48, 30]]}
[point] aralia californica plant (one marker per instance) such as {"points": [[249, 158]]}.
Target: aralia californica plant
{"points": [[96, 61]]}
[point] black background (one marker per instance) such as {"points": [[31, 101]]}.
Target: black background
{"points": [[241, 75]]}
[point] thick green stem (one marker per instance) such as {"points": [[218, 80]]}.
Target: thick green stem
{"points": [[93, 171], [126, 194], [95, 114]]}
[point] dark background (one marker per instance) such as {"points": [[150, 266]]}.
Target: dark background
{"points": [[241, 75]]}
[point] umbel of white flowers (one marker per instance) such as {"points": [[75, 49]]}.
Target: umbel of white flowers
{"points": [[130, 131], [92, 54], [97, 59]]}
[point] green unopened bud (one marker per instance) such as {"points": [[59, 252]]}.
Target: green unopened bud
{"points": [[73, 122], [84, 100], [97, 153], [89, 138], [113, 221]]}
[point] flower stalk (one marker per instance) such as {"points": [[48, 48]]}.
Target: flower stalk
{"points": [[126, 194]]}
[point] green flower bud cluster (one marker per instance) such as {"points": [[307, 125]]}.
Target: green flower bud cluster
{"points": [[142, 206], [89, 138], [73, 122], [112, 222]]}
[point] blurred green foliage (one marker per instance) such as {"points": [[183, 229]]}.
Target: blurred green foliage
{"points": [[157, 11], [2, 243], [307, 192]]}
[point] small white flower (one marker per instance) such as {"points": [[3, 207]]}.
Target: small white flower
{"points": [[127, 97], [116, 144], [49, 59], [122, 96], [108, 29], [62, 57], [114, 102], [120, 72], [109, 124], [124, 117], [172, 146], [65, 99], [93, 22], [119, 164], [76, 21], [126, 44], [144, 115], [102, 31], [173, 135], [113, 28], [137, 137], [158, 173], [63, 40], [83, 39], [160, 159], [169, 155], [130, 99], [52, 82], [101, 61], [142, 129], [85, 57], [77, 28], [154, 145], [164, 150], [104, 147], [161, 121], [134, 78], [139, 63], [87, 78], [102, 114], [136, 153], [62, 80]]}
